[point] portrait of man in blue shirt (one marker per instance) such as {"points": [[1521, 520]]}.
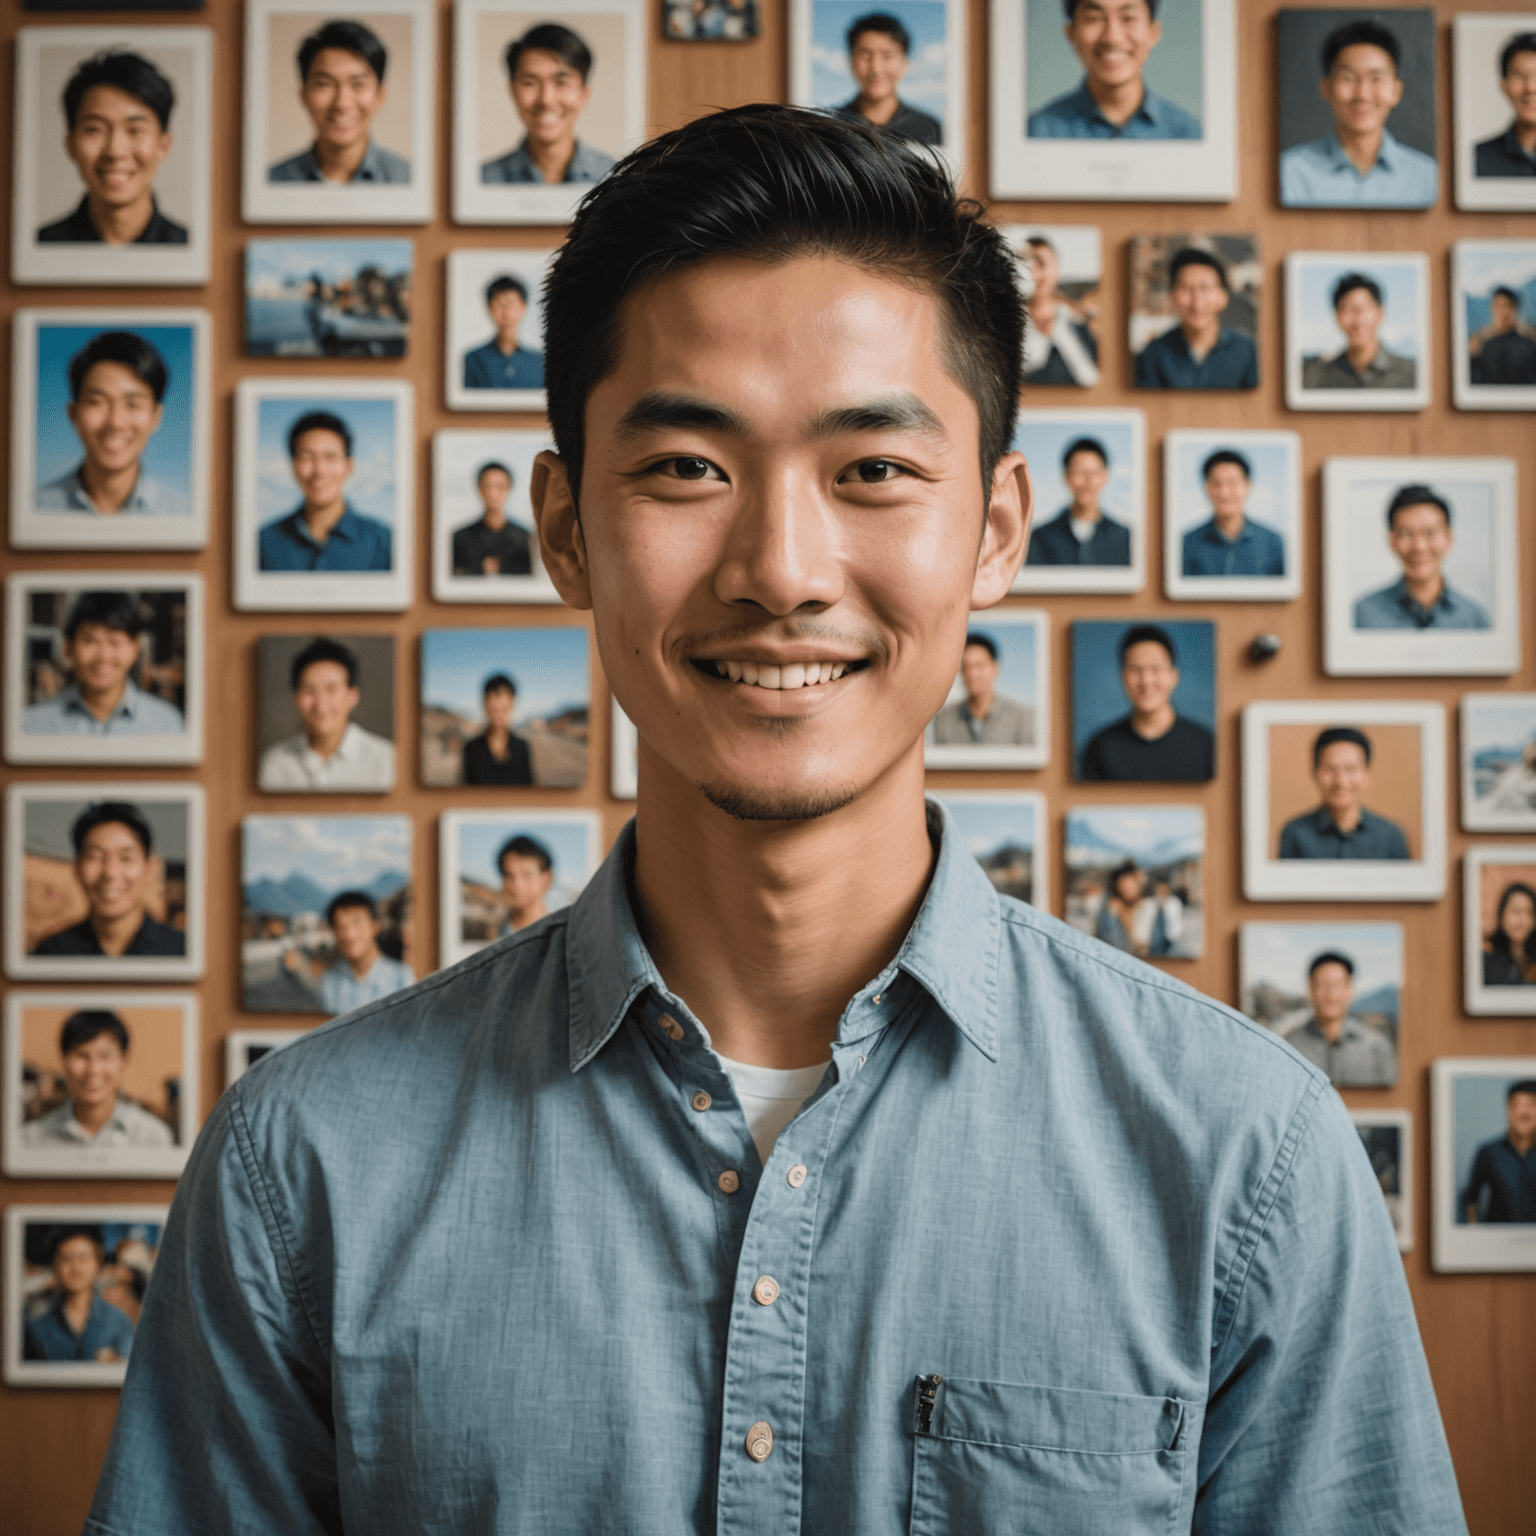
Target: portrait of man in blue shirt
{"points": [[878, 50], [503, 362], [78, 1325], [1199, 352], [1502, 1185], [1341, 827], [1045, 1240], [1229, 542], [1419, 531], [1504, 351], [1513, 152], [1364, 363], [361, 972], [1082, 533]]}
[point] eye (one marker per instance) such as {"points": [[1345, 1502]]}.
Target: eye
{"points": [[686, 467], [873, 471]]}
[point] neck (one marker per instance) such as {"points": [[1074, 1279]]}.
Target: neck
{"points": [[1360, 357], [553, 160], [77, 1308], [1362, 148], [122, 224], [1118, 103], [109, 488], [1425, 591], [325, 746], [1042, 312], [878, 111], [93, 1116], [1347, 818], [1154, 722], [1085, 512], [1229, 522], [494, 520], [496, 737], [115, 934], [520, 917], [980, 704], [1331, 1028], [361, 966], [1522, 1144], [102, 702], [340, 162], [1201, 341], [320, 520], [506, 345]]}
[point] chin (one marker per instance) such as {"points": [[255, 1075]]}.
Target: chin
{"points": [[750, 802]]}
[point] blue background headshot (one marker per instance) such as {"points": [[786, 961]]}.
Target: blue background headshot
{"points": [[1269, 498], [923, 85], [1043, 443], [1482, 271], [1318, 333], [371, 490], [1479, 1113], [481, 840], [549, 666], [1017, 644]]}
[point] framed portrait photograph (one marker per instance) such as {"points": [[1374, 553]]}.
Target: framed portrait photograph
{"points": [[1493, 317], [1357, 108], [243, 1048], [502, 870], [75, 216], [1332, 991], [711, 21], [1498, 762], [324, 494], [1136, 878], [624, 756], [100, 1088], [505, 706], [1073, 117], [99, 675], [104, 882], [1008, 831], [495, 349], [328, 298], [485, 548], [1144, 700], [1344, 800], [1062, 269], [325, 714], [1420, 568], [898, 67], [1387, 1136], [998, 713], [1090, 527], [109, 428], [326, 916], [1232, 516], [339, 113], [516, 159], [1482, 1131], [1499, 929], [1356, 331], [1495, 112], [1194, 311], [75, 1278]]}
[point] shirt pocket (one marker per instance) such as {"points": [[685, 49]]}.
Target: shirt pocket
{"points": [[1003, 1457]]}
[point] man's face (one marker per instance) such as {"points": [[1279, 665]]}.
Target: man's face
{"points": [[93, 1072], [1504, 312], [549, 96], [500, 705], [1519, 85], [75, 1265], [322, 466], [325, 699], [1332, 990], [1227, 486], [1359, 316], [117, 145], [1342, 775], [524, 881], [1362, 88], [507, 310], [342, 95], [1044, 268], [356, 931], [1148, 675], [1421, 539], [114, 870], [115, 416], [1113, 38], [102, 657], [878, 62], [1199, 297], [1521, 1109], [495, 487], [978, 671], [1086, 475], [1128, 887]]}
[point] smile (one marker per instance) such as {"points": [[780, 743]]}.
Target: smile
{"points": [[794, 674]]}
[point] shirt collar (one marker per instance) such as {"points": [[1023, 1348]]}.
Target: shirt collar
{"points": [[1324, 822], [1512, 144], [1387, 156], [72, 702], [1213, 534], [1150, 110], [79, 498], [1404, 599], [371, 167], [347, 525]]}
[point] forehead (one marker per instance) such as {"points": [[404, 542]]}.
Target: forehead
{"points": [[1123, 10], [113, 378], [108, 101], [320, 440], [544, 61], [75, 1247], [103, 1040], [318, 672], [94, 629], [111, 834], [1342, 754], [339, 61], [1197, 272], [1147, 653], [873, 39], [1365, 59], [1330, 970], [1421, 514]]}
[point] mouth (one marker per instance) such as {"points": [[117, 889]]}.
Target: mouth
{"points": [[780, 677]]}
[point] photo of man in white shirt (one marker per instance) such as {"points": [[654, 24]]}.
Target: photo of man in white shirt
{"points": [[332, 752]]}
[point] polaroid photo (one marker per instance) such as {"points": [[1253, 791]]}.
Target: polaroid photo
{"points": [[1232, 516], [325, 714], [495, 346], [328, 298], [1493, 316], [998, 713], [485, 548], [104, 676], [326, 912], [1332, 991], [1144, 700], [75, 1278], [105, 882], [243, 1048], [899, 67], [1008, 831], [1499, 929], [1089, 473], [1344, 800], [325, 478], [1356, 331], [305, 162], [503, 870], [1195, 311], [1357, 108], [711, 21], [505, 706], [110, 428], [1498, 762], [98, 1091], [624, 756], [513, 162], [1420, 568], [1495, 114], [1387, 1136], [1062, 269], [1136, 878], [1482, 1130], [72, 221]]}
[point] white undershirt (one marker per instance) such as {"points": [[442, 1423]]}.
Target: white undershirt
{"points": [[771, 1096], [1083, 528]]}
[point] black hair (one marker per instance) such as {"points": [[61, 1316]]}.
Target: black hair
{"points": [[1503, 291], [345, 899], [1334, 735], [1039, 242], [1525, 1085], [106, 813], [130, 73], [90, 1231], [350, 37], [1353, 33], [322, 648], [1193, 256], [1330, 957], [1139, 634], [319, 421], [506, 283], [83, 1027], [1072, 5], [524, 847], [1127, 867], [885, 24], [1084, 445], [1521, 42], [1222, 456], [1416, 496], [770, 183], [112, 610], [498, 681], [491, 464], [1498, 940], [551, 37], [135, 354], [1347, 284], [984, 640]]}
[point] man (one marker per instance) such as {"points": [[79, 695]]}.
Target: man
{"points": [[527, 872], [333, 752], [1229, 542], [981, 718], [1199, 352], [1513, 152], [1503, 352], [878, 50], [117, 385], [1502, 1187], [1059, 344], [341, 87], [363, 973], [1353, 1053], [117, 869], [1153, 741], [117, 106], [1341, 827], [498, 755], [492, 545], [1364, 363], [1113, 38], [94, 1047], [444, 1255], [1357, 163], [103, 642], [1419, 531], [1082, 533], [503, 362], [324, 532], [79, 1325], [548, 68]]}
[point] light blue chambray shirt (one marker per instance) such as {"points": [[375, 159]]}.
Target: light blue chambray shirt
{"points": [[342, 989], [1320, 175], [482, 1258], [148, 498], [137, 714]]}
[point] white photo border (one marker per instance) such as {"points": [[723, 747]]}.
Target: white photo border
{"points": [[1475, 817], [1400, 1120], [460, 263], [237, 1041], [1036, 755], [623, 774], [1040, 868], [1470, 58], [1479, 1000], [1465, 395]]}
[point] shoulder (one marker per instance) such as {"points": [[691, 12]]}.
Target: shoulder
{"points": [[1192, 730], [396, 168], [157, 712], [145, 1129], [1172, 120], [1059, 117], [1313, 154], [1299, 823], [294, 168], [1238, 342], [1379, 823], [507, 167], [594, 162]]}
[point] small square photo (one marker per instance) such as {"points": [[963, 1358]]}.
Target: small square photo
{"points": [[495, 356], [485, 547], [243, 1048], [1387, 1136], [998, 713], [328, 298], [1499, 909], [1495, 80], [1493, 317], [711, 21], [1008, 831], [1062, 267], [1498, 762], [1194, 311]]}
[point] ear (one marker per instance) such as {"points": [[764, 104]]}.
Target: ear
{"points": [[1006, 534], [561, 540]]}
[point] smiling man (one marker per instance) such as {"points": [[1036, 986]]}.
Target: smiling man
{"points": [[1153, 741], [879, 50], [362, 972], [1513, 152], [791, 1179], [547, 71], [1333, 1037], [1419, 532], [1230, 542], [1342, 827], [332, 752], [93, 1045], [504, 362], [1082, 533], [527, 873], [1359, 309], [1199, 352]]}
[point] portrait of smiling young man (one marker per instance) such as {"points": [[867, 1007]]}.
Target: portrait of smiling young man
{"points": [[1039, 1241]]}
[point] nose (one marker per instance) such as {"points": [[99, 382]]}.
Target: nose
{"points": [[782, 552]]}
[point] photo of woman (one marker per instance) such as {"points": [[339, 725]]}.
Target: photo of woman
{"points": [[1509, 952]]}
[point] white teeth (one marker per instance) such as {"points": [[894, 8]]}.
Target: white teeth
{"points": [[733, 671], [769, 677], [838, 668], [749, 672], [792, 676]]}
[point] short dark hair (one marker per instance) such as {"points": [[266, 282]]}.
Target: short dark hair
{"points": [[319, 421], [498, 682], [1040, 243], [135, 354], [112, 610], [1498, 940], [551, 37], [130, 73], [1072, 5], [90, 1231], [885, 24], [524, 847], [1329, 957], [1140, 634], [1525, 1085], [83, 1027], [1193, 256], [1503, 291], [491, 464], [1125, 867], [506, 283], [771, 182], [1521, 42], [350, 37], [1214, 461], [105, 813], [984, 640], [1352, 34], [343, 900], [322, 648], [1084, 445], [1416, 495], [1334, 735], [1347, 284]]}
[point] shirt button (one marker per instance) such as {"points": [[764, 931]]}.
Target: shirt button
{"points": [[766, 1291], [672, 1027], [701, 1100], [760, 1441], [796, 1176], [729, 1181]]}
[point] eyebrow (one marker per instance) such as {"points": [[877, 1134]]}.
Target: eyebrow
{"points": [[661, 410], [897, 413]]}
